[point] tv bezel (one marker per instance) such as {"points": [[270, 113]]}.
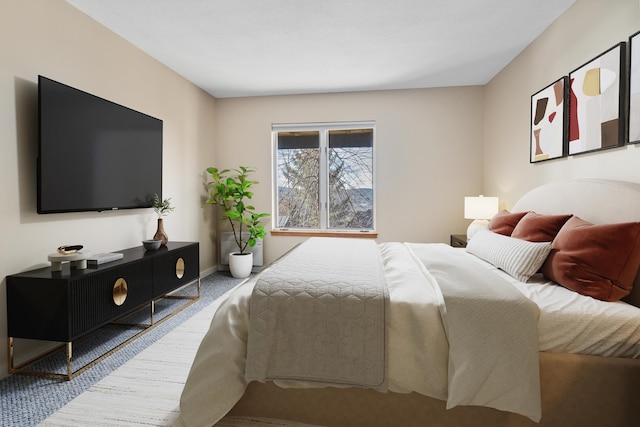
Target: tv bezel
{"points": [[147, 202]]}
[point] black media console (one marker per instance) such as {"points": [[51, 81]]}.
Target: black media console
{"points": [[65, 305]]}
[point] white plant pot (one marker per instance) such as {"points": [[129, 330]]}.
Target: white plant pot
{"points": [[240, 264]]}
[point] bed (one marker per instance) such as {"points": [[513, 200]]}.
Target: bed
{"points": [[584, 369]]}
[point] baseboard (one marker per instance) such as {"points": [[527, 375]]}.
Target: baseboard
{"points": [[208, 271]]}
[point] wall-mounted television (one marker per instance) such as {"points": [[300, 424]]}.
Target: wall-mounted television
{"points": [[94, 154]]}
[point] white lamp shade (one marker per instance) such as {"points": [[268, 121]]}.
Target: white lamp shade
{"points": [[480, 207]]}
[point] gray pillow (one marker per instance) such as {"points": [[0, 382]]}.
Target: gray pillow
{"points": [[519, 258]]}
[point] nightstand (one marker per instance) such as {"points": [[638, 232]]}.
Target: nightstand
{"points": [[459, 240]]}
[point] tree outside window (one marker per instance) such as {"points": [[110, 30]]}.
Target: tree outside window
{"points": [[324, 176]]}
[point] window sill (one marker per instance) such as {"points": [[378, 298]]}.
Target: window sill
{"points": [[325, 233]]}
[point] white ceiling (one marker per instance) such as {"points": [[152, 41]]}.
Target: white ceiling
{"points": [[233, 48]]}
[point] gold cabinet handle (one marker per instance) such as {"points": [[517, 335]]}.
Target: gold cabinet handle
{"points": [[179, 268], [120, 289]]}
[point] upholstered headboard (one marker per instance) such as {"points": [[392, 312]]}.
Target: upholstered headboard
{"points": [[594, 200]]}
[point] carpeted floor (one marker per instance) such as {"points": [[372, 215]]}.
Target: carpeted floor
{"points": [[27, 401]]}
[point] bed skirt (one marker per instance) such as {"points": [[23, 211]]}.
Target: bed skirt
{"points": [[577, 390]]}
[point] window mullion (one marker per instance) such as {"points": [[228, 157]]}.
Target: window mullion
{"points": [[324, 180]]}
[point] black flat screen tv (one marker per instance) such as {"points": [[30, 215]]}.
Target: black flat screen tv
{"points": [[94, 154]]}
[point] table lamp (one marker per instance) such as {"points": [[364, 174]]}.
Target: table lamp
{"points": [[480, 209]]}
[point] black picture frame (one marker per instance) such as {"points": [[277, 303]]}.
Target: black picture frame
{"points": [[597, 93], [549, 130], [633, 116]]}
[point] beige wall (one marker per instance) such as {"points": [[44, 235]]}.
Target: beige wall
{"points": [[51, 38], [428, 153], [587, 29]]}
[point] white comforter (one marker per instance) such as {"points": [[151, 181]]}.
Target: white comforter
{"points": [[418, 349]]}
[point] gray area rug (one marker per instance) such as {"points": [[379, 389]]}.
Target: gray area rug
{"points": [[27, 401]]}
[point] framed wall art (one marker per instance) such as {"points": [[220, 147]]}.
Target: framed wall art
{"points": [[634, 89], [596, 102], [549, 122]]}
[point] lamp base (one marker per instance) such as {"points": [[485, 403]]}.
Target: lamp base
{"points": [[475, 226]]}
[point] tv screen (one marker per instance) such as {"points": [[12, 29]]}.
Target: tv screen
{"points": [[93, 154]]}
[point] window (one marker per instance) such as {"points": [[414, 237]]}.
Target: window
{"points": [[324, 176]]}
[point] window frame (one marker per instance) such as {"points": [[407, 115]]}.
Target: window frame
{"points": [[323, 128]]}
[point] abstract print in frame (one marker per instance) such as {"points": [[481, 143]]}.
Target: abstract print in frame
{"points": [[634, 89], [549, 118], [596, 102]]}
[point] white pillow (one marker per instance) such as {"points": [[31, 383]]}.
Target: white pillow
{"points": [[519, 258]]}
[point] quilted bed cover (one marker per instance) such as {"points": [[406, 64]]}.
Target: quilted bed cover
{"points": [[431, 349], [318, 314]]}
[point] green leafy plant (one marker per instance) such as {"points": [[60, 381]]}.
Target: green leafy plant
{"points": [[161, 207], [231, 189]]}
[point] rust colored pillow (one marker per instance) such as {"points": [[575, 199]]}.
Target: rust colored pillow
{"points": [[536, 227], [504, 222], [600, 261]]}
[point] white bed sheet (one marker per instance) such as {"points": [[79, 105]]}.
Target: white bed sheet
{"points": [[574, 323]]}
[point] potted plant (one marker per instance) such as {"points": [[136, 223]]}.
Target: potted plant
{"points": [[232, 189], [162, 208]]}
